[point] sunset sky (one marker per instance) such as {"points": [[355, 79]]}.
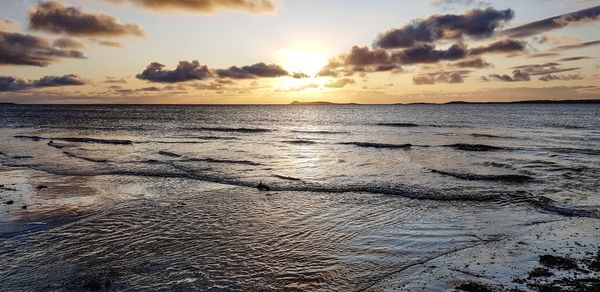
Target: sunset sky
{"points": [[277, 51]]}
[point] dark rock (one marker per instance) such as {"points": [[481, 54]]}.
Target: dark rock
{"points": [[10, 202], [40, 187], [24, 207], [540, 272], [473, 287], [558, 262]]}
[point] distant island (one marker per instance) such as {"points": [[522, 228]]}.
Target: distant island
{"points": [[561, 101], [295, 102]]}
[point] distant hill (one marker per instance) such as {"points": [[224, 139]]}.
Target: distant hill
{"points": [[563, 101], [295, 102]]}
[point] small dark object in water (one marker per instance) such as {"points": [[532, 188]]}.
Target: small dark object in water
{"points": [[558, 262], [40, 187], [1, 186], [263, 187], [10, 202], [473, 287], [24, 207]]}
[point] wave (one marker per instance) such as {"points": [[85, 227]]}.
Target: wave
{"points": [[566, 150], [480, 135], [516, 178], [210, 138], [287, 177], [233, 130], [170, 154], [398, 125], [406, 191], [72, 155], [300, 142], [378, 145], [78, 140], [319, 132], [474, 147], [228, 161], [32, 138]]}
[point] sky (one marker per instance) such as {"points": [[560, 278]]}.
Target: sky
{"points": [[278, 51]]}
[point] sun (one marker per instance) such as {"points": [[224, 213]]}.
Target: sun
{"points": [[307, 61]]}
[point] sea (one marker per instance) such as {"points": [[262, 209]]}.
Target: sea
{"points": [[278, 197]]}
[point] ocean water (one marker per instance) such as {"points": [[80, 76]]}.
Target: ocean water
{"points": [[165, 197]]}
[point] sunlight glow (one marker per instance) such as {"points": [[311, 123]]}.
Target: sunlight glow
{"points": [[307, 61]]}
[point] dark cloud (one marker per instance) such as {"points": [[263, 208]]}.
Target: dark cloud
{"points": [[339, 83], [543, 69], [537, 27], [552, 77], [299, 75], [185, 71], [576, 46], [474, 23], [365, 60], [501, 46], [577, 58], [426, 53], [8, 83], [440, 77], [53, 16], [24, 49], [543, 55], [362, 60], [473, 63], [67, 43], [206, 6], [259, 70], [517, 75]]}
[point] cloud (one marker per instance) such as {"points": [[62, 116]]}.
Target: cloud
{"points": [[365, 60], [8, 24], [259, 70], [299, 75], [551, 77], [185, 71], [501, 46], [476, 23], [426, 53], [577, 58], [67, 43], [361, 59], [543, 69], [556, 22], [24, 49], [206, 6], [440, 77], [299, 87], [576, 46], [339, 83], [8, 83], [107, 43], [473, 63], [54, 17], [517, 75], [114, 80]]}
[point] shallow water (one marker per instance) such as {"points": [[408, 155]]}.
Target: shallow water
{"points": [[164, 196]]}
